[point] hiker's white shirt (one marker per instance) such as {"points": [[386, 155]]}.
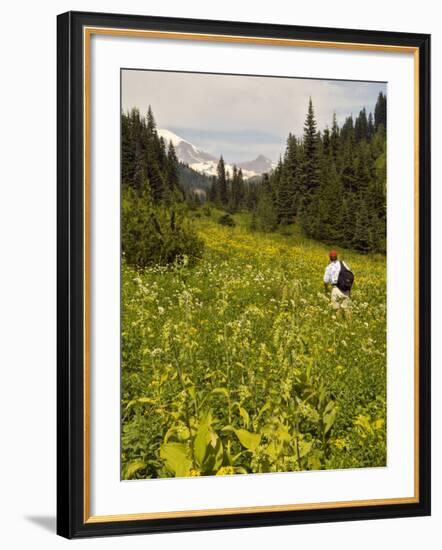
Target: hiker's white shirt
{"points": [[332, 272]]}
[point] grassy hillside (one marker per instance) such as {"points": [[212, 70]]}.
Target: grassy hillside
{"points": [[237, 365]]}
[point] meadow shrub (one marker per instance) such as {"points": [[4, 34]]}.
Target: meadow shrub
{"points": [[226, 219], [207, 211], [153, 234]]}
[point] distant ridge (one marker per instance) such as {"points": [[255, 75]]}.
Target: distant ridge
{"points": [[205, 163]]}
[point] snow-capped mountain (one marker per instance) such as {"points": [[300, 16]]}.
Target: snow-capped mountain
{"points": [[260, 165], [186, 152], [206, 164]]}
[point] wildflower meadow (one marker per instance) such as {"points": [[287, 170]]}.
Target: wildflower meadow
{"points": [[236, 364]]}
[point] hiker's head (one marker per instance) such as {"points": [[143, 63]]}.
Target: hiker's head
{"points": [[333, 255]]}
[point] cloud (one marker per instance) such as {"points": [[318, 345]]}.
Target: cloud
{"points": [[242, 116]]}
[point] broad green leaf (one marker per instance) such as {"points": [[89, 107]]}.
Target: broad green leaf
{"points": [[244, 414], [207, 446], [179, 430], [215, 455], [304, 447], [175, 455], [191, 392], [201, 442], [248, 439], [142, 400], [329, 416], [329, 407], [133, 467], [169, 432]]}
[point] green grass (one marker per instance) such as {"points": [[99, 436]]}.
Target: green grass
{"points": [[237, 365]]}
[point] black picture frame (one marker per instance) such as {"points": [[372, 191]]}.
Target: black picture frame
{"points": [[71, 520]]}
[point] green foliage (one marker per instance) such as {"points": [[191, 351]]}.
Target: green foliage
{"points": [[333, 185], [266, 215], [153, 234], [311, 160], [221, 183], [226, 219], [145, 157], [207, 211], [380, 112]]}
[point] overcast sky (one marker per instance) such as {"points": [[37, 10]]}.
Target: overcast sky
{"points": [[241, 117]]}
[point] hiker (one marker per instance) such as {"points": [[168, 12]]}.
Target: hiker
{"points": [[339, 276]]}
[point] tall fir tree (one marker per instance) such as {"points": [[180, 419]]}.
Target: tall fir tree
{"points": [[361, 126], [288, 188], [335, 142], [380, 112], [213, 190], [174, 191], [222, 190], [236, 195], [370, 126], [311, 167]]}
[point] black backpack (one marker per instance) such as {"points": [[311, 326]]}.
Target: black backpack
{"points": [[345, 279]]}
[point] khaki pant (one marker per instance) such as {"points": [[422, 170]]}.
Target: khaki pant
{"points": [[340, 299]]}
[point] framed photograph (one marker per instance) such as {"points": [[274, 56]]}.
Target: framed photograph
{"points": [[243, 274]]}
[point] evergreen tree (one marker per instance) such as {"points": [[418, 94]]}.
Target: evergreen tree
{"points": [[213, 191], [361, 126], [348, 174], [236, 195], [127, 150], [229, 191], [362, 172], [222, 195], [376, 206], [310, 172], [363, 236], [240, 192], [266, 216], [370, 128], [348, 130], [380, 111], [311, 154], [329, 207], [335, 141], [347, 220], [163, 151], [139, 171], [174, 190], [151, 124], [287, 183], [326, 143]]}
